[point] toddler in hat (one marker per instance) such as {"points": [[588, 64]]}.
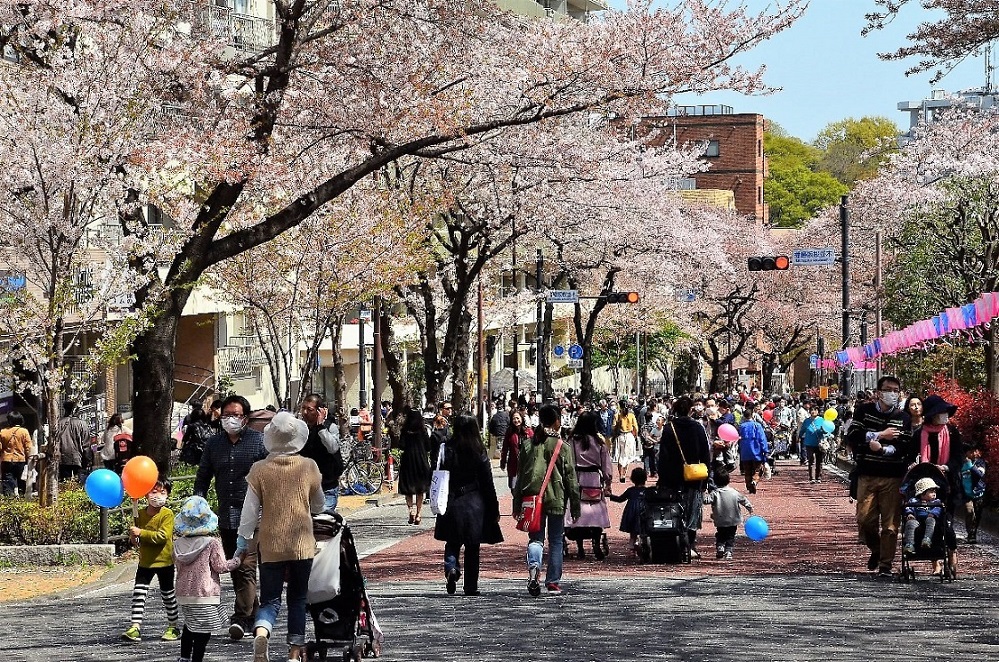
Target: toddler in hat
{"points": [[200, 560], [923, 507]]}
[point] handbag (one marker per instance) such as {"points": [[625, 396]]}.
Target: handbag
{"points": [[439, 482], [692, 473], [591, 494], [531, 506]]}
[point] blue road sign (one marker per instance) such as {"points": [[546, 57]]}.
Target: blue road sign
{"points": [[813, 360], [575, 352], [558, 350]]}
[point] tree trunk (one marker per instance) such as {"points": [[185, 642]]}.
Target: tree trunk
{"points": [[339, 380], [393, 364], [768, 364], [152, 379], [48, 491], [547, 386], [460, 336]]}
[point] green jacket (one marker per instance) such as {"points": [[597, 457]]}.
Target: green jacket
{"points": [[533, 460], [156, 538]]}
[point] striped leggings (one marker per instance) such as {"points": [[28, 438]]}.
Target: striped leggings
{"points": [[143, 577]]}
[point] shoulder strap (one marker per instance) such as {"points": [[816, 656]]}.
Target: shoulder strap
{"points": [[551, 466], [677, 440], [440, 457]]}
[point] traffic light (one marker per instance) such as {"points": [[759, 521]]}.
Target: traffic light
{"points": [[769, 263], [532, 355], [623, 297]]}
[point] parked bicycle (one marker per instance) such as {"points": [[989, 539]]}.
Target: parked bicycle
{"points": [[361, 475]]}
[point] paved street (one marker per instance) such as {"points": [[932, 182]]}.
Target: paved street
{"points": [[800, 595]]}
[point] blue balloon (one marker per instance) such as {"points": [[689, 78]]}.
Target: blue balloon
{"points": [[828, 426], [104, 488], [757, 528]]}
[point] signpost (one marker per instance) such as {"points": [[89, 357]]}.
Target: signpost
{"points": [[813, 257], [813, 361], [562, 296], [575, 352], [558, 351]]}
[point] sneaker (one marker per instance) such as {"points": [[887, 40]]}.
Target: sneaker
{"points": [[909, 549], [236, 631], [452, 580], [260, 649], [874, 561], [972, 539], [693, 554], [720, 553], [553, 588], [172, 633], [818, 480], [885, 573], [131, 634], [728, 556], [926, 544], [533, 584], [752, 487]]}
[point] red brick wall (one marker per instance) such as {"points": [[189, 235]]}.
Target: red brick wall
{"points": [[740, 165]]}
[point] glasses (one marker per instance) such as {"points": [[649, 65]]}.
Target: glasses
{"points": [[232, 414], [891, 389]]}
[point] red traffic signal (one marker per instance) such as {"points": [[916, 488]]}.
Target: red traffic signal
{"points": [[769, 263], [623, 297]]}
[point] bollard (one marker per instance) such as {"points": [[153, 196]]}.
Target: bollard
{"points": [[105, 532]]}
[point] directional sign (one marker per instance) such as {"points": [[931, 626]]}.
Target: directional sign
{"points": [[562, 296], [558, 351], [365, 314], [575, 363], [813, 257], [575, 352]]}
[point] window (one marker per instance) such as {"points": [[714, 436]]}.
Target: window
{"points": [[712, 150]]}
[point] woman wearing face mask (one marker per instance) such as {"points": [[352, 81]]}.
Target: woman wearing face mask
{"points": [[939, 440]]}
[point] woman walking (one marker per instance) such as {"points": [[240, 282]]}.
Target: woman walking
{"points": [[594, 471], [625, 439], [109, 447], [685, 442], [15, 449], [284, 490], [472, 515], [517, 433], [415, 471]]}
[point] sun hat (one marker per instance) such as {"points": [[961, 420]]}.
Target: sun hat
{"points": [[195, 518], [935, 405], [285, 434], [924, 484]]}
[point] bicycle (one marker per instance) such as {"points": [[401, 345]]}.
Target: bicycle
{"points": [[361, 475]]}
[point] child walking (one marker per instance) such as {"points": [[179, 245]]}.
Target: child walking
{"points": [[972, 490], [631, 518], [200, 561], [725, 502], [153, 533]]}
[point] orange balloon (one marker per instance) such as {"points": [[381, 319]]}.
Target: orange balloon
{"points": [[139, 476]]}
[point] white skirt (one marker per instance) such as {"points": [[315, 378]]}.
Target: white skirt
{"points": [[205, 618], [626, 449]]}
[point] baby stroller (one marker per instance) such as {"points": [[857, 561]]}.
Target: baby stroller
{"points": [[782, 443], [944, 539], [344, 622], [664, 537]]}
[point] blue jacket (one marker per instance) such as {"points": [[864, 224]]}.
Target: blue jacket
{"points": [[752, 442]]}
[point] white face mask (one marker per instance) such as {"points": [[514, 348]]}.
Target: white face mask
{"points": [[699, 409], [890, 398], [157, 500], [941, 419], [232, 424]]}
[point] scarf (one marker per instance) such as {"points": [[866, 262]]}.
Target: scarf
{"points": [[943, 443]]}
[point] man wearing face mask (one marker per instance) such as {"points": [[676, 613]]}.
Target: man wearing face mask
{"points": [[227, 458], [883, 450]]}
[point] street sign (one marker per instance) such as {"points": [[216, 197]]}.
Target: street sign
{"points": [[813, 361], [365, 314], [558, 351], [575, 352], [813, 257], [575, 363], [562, 296]]}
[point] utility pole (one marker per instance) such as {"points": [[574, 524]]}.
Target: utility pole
{"points": [[878, 332], [844, 220], [539, 327], [362, 377], [376, 378], [516, 324], [479, 403], [638, 363]]}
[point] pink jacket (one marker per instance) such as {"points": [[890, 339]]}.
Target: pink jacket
{"points": [[200, 560]]}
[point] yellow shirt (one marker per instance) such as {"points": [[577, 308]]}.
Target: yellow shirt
{"points": [[626, 423], [156, 538]]}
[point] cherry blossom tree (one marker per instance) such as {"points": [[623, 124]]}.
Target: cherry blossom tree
{"points": [[257, 142]]}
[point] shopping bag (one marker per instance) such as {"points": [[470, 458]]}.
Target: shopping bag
{"points": [[439, 486], [324, 580]]}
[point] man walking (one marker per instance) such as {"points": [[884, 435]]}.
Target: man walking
{"points": [[227, 458], [753, 448], [883, 450], [498, 424], [73, 439], [323, 447]]}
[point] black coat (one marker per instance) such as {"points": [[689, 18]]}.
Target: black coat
{"points": [[472, 515], [695, 446], [414, 472]]}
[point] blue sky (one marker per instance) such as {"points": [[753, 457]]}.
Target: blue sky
{"points": [[828, 72]]}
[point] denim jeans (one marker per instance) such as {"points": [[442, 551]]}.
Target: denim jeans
{"points": [[451, 562], [555, 524], [272, 576], [332, 497]]}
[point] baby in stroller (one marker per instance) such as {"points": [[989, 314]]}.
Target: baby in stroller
{"points": [[922, 509], [928, 533]]}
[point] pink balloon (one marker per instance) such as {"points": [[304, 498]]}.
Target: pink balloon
{"points": [[727, 432]]}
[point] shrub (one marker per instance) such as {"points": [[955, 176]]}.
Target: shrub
{"points": [[73, 519]]}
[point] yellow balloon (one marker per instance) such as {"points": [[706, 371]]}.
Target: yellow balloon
{"points": [[830, 414]]}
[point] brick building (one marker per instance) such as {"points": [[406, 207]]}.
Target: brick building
{"points": [[734, 150]]}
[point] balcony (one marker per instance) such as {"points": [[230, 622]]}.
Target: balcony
{"points": [[242, 31]]}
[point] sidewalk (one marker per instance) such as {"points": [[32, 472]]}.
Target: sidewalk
{"points": [[812, 530]]}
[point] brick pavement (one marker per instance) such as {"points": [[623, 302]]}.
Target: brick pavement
{"points": [[812, 530]]}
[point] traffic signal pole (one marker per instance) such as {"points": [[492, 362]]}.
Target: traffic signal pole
{"points": [[844, 221]]}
